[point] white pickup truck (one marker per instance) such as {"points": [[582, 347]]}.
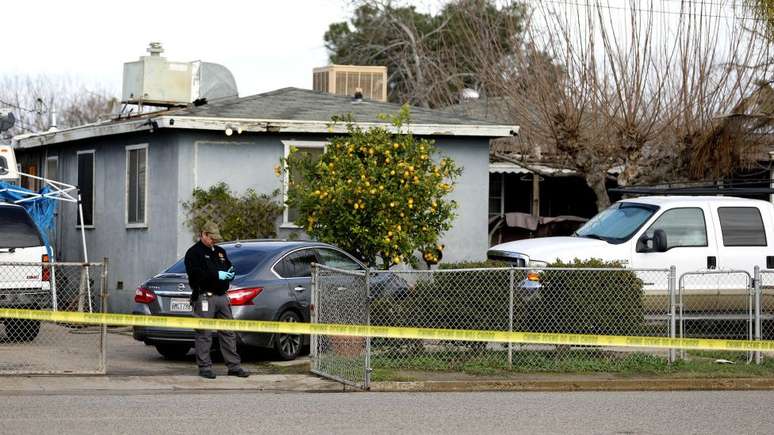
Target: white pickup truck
{"points": [[22, 286], [692, 233]]}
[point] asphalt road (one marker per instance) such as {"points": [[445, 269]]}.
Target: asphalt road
{"points": [[445, 413]]}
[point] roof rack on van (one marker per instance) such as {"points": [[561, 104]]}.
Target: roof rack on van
{"points": [[734, 188]]}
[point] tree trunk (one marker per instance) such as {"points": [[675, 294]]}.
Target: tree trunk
{"points": [[596, 182]]}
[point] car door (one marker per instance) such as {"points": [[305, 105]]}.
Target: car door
{"points": [[296, 269], [690, 247]]}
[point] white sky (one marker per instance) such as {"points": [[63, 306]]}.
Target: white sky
{"points": [[266, 44]]}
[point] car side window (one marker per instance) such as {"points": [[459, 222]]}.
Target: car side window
{"points": [[339, 260], [741, 226], [297, 264], [684, 227]]}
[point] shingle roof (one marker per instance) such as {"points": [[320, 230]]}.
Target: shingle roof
{"points": [[306, 105]]}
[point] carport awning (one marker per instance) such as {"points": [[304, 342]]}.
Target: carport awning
{"points": [[506, 168], [513, 168]]}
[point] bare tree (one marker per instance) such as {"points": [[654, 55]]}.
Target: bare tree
{"points": [[40, 101], [631, 90]]}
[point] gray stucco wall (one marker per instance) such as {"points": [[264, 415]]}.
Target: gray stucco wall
{"points": [[247, 161], [179, 160], [134, 253]]}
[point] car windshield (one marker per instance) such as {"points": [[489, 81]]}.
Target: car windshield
{"points": [[17, 229], [243, 259], [618, 223]]}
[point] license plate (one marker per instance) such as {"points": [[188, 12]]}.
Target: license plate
{"points": [[179, 305]]}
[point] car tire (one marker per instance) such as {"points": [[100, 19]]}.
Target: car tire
{"points": [[288, 347], [173, 351], [21, 330]]}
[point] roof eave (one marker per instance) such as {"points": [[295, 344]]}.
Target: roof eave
{"points": [[257, 126]]}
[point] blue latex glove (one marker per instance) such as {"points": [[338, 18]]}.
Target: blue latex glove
{"points": [[225, 276]]}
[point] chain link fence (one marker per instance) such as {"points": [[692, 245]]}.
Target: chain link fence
{"points": [[35, 347], [716, 304], [570, 300]]}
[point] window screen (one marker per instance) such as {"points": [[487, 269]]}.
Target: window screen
{"points": [[86, 186], [741, 226], [135, 185]]}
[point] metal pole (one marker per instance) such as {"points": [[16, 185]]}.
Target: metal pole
{"points": [[367, 377], [103, 308], [510, 318], [314, 338], [757, 292], [672, 319], [85, 252]]}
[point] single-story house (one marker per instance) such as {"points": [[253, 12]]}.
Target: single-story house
{"points": [[135, 173]]}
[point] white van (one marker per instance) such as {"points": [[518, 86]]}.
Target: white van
{"points": [[692, 233], [22, 286]]}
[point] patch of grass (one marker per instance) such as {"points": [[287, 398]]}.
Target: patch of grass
{"points": [[494, 364]]}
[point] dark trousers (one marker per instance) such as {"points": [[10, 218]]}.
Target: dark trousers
{"points": [[218, 307]]}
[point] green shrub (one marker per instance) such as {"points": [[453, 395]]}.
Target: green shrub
{"points": [[589, 301], [249, 216]]}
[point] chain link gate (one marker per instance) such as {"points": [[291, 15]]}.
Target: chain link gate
{"points": [[764, 296], [341, 297], [36, 347], [716, 304]]}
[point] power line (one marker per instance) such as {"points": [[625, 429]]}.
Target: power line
{"points": [[19, 107]]}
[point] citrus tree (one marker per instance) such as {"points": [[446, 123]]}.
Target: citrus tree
{"points": [[376, 193]]}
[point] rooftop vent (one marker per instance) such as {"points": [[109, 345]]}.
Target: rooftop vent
{"points": [[345, 80], [155, 81]]}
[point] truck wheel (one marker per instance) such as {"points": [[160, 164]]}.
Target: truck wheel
{"points": [[21, 330]]}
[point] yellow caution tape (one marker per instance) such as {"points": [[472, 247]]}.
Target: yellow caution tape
{"points": [[387, 331]]}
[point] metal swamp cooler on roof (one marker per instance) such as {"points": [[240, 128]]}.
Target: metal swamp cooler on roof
{"points": [[155, 81]]}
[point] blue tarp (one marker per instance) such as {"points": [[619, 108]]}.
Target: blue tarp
{"points": [[40, 209]]}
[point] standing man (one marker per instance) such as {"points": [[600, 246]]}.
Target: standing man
{"points": [[209, 273]]}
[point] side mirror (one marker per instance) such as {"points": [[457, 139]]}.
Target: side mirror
{"points": [[659, 241]]}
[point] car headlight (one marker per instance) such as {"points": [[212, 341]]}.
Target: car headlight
{"points": [[535, 263]]}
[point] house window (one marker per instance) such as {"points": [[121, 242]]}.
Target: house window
{"points": [[742, 226], [496, 194], [313, 149], [52, 168], [86, 186], [29, 182], [136, 185]]}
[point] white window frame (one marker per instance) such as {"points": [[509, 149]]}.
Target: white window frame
{"points": [[54, 159], [144, 223], [93, 153], [286, 174]]}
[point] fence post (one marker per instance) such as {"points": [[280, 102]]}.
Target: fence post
{"points": [[103, 301], [510, 317], [313, 351], [672, 312], [367, 362], [757, 292]]}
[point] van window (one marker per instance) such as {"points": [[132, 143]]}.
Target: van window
{"points": [[618, 223], [741, 226], [17, 230], [683, 227]]}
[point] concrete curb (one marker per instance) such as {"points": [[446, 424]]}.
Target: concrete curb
{"points": [[636, 384], [70, 384]]}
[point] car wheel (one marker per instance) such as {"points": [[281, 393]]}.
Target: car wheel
{"points": [[288, 347], [21, 330], [173, 351]]}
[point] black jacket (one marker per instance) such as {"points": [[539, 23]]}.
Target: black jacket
{"points": [[202, 265]]}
